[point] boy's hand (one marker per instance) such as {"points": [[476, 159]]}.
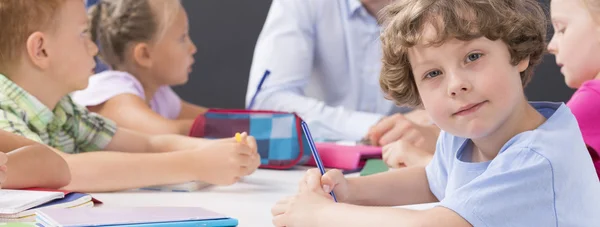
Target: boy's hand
{"points": [[229, 160], [403, 154], [300, 210], [251, 142], [334, 180], [3, 167]]}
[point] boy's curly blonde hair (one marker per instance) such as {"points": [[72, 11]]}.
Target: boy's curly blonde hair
{"points": [[521, 24]]}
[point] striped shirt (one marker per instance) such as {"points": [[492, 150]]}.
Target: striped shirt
{"points": [[69, 127]]}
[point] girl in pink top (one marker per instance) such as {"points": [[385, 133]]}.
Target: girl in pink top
{"points": [[146, 43], [576, 45]]}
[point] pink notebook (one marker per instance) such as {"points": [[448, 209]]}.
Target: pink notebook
{"points": [[345, 157]]}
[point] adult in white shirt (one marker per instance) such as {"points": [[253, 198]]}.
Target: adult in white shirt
{"points": [[324, 62]]}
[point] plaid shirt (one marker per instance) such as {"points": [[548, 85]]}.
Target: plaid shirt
{"points": [[69, 128]]}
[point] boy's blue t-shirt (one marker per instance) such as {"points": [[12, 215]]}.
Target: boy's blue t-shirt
{"points": [[543, 177]]}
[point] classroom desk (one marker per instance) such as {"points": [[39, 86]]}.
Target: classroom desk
{"points": [[249, 201]]}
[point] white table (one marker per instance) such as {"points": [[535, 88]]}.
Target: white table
{"points": [[249, 201]]}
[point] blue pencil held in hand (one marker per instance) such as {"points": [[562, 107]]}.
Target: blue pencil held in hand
{"points": [[313, 149]]}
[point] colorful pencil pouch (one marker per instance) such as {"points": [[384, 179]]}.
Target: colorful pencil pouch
{"points": [[279, 136]]}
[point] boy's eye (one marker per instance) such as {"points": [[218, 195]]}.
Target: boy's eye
{"points": [[433, 74], [473, 57]]}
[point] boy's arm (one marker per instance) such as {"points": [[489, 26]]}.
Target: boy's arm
{"points": [[114, 171], [140, 117], [36, 166], [126, 140], [312, 206], [190, 111], [222, 162], [339, 214], [12, 141], [32, 164], [407, 185], [139, 160]]}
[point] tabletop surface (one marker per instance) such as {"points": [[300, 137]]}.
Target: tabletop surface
{"points": [[249, 200]]}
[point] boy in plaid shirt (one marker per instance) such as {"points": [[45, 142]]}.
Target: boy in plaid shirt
{"points": [[46, 54]]}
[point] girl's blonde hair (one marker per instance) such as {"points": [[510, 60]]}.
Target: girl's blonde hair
{"points": [[593, 7], [115, 24]]}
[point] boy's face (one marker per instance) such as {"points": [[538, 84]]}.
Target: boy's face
{"points": [[173, 55], [70, 49], [468, 88], [575, 42]]}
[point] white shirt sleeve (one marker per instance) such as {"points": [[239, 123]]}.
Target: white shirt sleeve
{"points": [[286, 48]]}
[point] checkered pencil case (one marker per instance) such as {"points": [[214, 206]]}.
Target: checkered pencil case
{"points": [[279, 136]]}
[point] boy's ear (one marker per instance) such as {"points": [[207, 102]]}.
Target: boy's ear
{"points": [[523, 64], [37, 50], [142, 55]]}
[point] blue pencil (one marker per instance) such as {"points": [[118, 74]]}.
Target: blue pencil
{"points": [[260, 84], [315, 154]]}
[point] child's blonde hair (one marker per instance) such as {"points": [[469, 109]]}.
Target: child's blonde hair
{"points": [[115, 24], [593, 7], [18, 20], [521, 24]]}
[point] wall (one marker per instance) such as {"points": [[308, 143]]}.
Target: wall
{"points": [[225, 32]]}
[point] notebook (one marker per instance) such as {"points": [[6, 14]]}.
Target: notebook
{"points": [[16, 201], [184, 187], [61, 191], [374, 166], [25, 224], [71, 200], [345, 157], [133, 216]]}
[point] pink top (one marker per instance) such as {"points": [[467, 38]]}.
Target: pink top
{"points": [[108, 84], [585, 105]]}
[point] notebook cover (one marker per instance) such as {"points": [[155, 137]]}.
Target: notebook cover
{"points": [[374, 166], [9, 204], [103, 216], [31, 217], [229, 222], [63, 191], [345, 157], [70, 200], [24, 224]]}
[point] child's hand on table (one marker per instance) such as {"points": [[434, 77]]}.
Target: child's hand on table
{"points": [[313, 196], [231, 160]]}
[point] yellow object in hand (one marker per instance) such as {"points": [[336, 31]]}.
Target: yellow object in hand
{"points": [[238, 137]]}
